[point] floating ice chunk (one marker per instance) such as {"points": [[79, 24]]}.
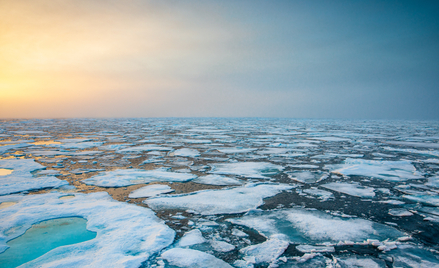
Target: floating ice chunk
{"points": [[411, 256], [258, 170], [77, 145], [266, 252], [415, 144], [239, 233], [400, 212], [313, 249], [386, 170], [354, 189], [304, 166], [433, 182], [191, 238], [425, 199], [151, 190], [361, 262], [127, 235], [143, 148], [414, 151], [211, 202], [6, 148], [186, 152], [221, 246], [21, 178], [190, 258], [303, 226], [126, 177], [321, 194], [307, 176], [236, 150], [333, 139], [392, 202], [275, 151], [196, 141], [217, 180]]}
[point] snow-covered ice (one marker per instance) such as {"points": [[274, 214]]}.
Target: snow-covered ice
{"points": [[190, 258], [127, 235], [21, 179], [258, 170], [217, 180], [211, 202], [126, 177], [354, 189], [150, 190]]}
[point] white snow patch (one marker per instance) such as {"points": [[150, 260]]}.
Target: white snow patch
{"points": [[387, 170], [126, 177], [127, 235], [21, 178], [217, 180], [353, 189], [151, 190], [211, 202], [258, 170], [190, 258]]}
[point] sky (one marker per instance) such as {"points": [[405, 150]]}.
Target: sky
{"points": [[230, 58]]}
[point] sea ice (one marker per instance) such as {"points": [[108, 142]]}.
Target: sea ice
{"points": [[321, 194], [387, 170], [307, 176], [354, 189], [400, 212], [21, 178], [143, 148], [258, 170], [221, 246], [191, 238], [211, 202], [127, 235], [303, 226], [190, 258], [151, 190], [186, 152], [217, 180], [126, 177], [266, 252]]}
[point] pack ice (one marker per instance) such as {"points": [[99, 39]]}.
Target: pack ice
{"points": [[126, 177], [21, 178], [127, 235], [387, 170], [257, 170], [211, 202]]}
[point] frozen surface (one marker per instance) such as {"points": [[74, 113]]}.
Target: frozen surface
{"points": [[354, 189], [211, 202], [221, 246], [258, 170], [191, 238], [186, 152], [189, 258], [266, 252], [302, 226], [321, 194], [217, 180], [387, 170], [150, 190], [127, 235], [126, 177], [21, 179]]}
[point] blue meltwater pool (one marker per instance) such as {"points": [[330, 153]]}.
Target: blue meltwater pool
{"points": [[43, 237]]}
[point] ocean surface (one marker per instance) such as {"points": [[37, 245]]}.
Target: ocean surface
{"points": [[219, 192]]}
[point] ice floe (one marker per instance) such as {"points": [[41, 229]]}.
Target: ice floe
{"points": [[150, 190], [354, 189], [211, 202], [266, 252], [191, 238], [217, 180], [189, 258], [126, 177], [186, 152], [21, 179], [258, 170], [127, 235], [303, 226], [387, 170]]}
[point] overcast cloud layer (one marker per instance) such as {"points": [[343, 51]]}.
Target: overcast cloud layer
{"points": [[324, 59]]}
